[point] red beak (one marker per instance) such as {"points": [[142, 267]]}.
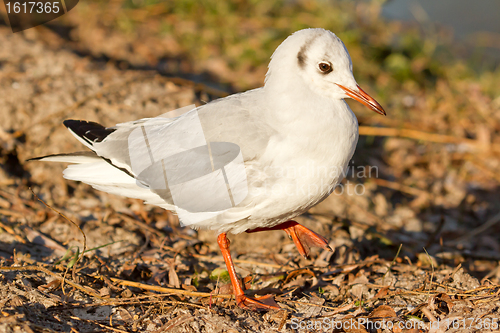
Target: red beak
{"points": [[362, 97]]}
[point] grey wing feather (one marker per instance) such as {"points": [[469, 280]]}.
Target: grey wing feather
{"points": [[132, 158]]}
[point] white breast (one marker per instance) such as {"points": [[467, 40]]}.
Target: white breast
{"points": [[301, 167]]}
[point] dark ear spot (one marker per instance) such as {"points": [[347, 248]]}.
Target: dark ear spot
{"points": [[301, 56]]}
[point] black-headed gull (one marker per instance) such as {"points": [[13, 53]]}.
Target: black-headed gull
{"points": [[245, 163]]}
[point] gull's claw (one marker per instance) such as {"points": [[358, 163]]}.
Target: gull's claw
{"points": [[259, 303]]}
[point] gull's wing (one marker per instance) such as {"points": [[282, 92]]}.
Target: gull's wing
{"points": [[196, 158], [236, 119]]}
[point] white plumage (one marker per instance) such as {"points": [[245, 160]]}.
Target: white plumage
{"points": [[296, 135], [247, 162]]}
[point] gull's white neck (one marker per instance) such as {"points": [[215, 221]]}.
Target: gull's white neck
{"points": [[294, 107], [321, 129]]}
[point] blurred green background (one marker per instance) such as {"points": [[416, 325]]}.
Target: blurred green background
{"points": [[399, 48]]}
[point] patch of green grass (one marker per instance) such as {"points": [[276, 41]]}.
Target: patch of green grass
{"points": [[221, 275]]}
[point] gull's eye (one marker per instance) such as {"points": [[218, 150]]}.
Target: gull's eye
{"points": [[325, 67]]}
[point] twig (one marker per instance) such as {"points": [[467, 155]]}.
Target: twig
{"points": [[239, 261], [424, 136], [425, 310], [167, 290], [11, 231], [308, 304], [141, 224], [129, 301], [432, 237], [444, 286], [93, 322], [85, 289], [312, 304], [482, 168], [177, 321], [81, 231], [400, 187], [432, 264], [392, 262], [8, 212], [339, 310], [490, 223], [475, 290]]}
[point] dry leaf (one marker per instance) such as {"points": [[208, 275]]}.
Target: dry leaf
{"points": [[104, 291], [297, 273], [382, 292], [173, 278], [125, 315], [441, 302], [52, 285], [383, 311], [188, 287]]}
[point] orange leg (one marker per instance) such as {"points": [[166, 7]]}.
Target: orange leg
{"points": [[303, 238], [261, 303]]}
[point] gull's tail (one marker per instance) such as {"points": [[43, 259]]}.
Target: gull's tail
{"points": [[99, 172]]}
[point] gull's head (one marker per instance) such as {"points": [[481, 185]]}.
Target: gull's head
{"points": [[318, 59]]}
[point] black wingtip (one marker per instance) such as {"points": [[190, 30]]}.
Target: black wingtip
{"points": [[79, 153], [35, 158], [91, 131]]}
